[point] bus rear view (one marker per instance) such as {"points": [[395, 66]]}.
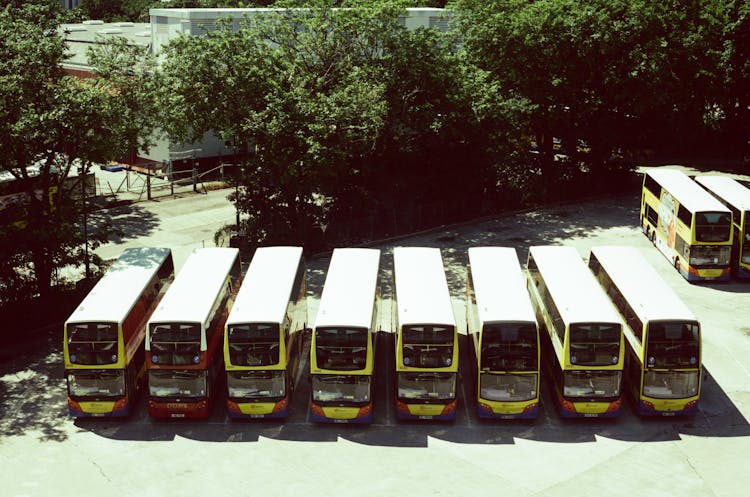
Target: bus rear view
{"points": [[264, 334], [184, 335], [427, 339], [663, 335], [583, 343], [103, 338], [503, 331], [342, 352]]}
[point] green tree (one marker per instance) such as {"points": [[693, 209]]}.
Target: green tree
{"points": [[297, 87], [613, 73], [60, 124]]}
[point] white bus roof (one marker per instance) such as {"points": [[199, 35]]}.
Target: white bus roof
{"points": [[574, 289], [350, 288], [115, 294], [191, 296], [267, 287], [422, 295], [728, 189], [647, 293], [499, 285], [686, 191]]}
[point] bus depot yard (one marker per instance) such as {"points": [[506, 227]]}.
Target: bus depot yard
{"points": [[47, 453]]}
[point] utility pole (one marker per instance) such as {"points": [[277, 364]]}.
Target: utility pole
{"points": [[82, 178]]}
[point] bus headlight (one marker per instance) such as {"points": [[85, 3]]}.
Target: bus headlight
{"points": [[447, 361], [196, 359], [573, 359], [113, 358], [155, 358], [614, 359], [73, 358]]}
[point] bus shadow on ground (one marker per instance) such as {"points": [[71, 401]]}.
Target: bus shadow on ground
{"points": [[718, 417]]}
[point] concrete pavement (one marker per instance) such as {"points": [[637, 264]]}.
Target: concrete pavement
{"points": [[43, 452]]}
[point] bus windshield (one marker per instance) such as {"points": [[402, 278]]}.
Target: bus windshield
{"points": [[433, 386], [92, 343], [176, 383], [428, 346], [175, 343], [102, 383], [595, 344], [710, 255], [713, 226], [507, 387], [342, 349], [256, 384], [254, 344], [592, 384], [340, 388], [509, 347], [670, 384], [673, 345]]}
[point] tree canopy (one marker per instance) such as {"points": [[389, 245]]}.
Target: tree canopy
{"points": [[58, 124]]}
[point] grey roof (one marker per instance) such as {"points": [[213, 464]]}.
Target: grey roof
{"points": [[79, 37]]}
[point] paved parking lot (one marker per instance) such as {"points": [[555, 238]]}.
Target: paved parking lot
{"points": [[43, 452]]}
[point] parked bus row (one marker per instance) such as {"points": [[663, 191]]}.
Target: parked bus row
{"points": [[598, 332], [700, 226]]}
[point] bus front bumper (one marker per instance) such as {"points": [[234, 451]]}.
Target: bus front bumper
{"points": [[257, 410], [179, 409], [99, 409]]}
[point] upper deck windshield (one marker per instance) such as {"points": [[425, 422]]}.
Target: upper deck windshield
{"points": [[713, 226], [428, 346], [509, 347], [175, 343], [342, 349], [254, 344], [92, 343], [595, 344], [673, 344], [746, 239]]}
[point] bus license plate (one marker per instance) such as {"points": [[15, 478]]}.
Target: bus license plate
{"points": [[178, 415], [425, 417], [257, 416], [590, 415], [340, 420]]}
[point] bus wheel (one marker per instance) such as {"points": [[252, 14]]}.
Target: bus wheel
{"points": [[677, 264]]}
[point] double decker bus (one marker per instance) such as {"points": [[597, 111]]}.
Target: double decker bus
{"points": [[663, 361], [342, 351], [687, 224], [184, 335], [16, 192], [503, 331], [103, 337], [426, 336], [583, 345], [736, 198], [263, 335]]}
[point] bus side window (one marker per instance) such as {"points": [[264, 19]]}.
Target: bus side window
{"points": [[651, 185], [684, 216], [652, 215]]}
